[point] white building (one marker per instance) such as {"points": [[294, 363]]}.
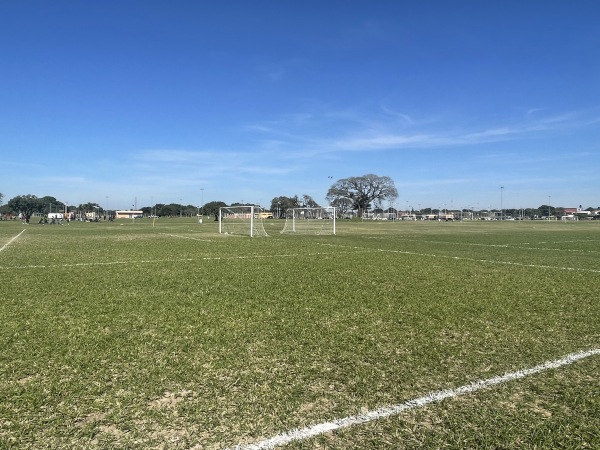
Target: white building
{"points": [[128, 214]]}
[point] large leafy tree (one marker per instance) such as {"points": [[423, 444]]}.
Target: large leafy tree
{"points": [[172, 209], [360, 192], [50, 204], [212, 208], [546, 210], [309, 202], [26, 203], [90, 207], [33, 204], [343, 205], [282, 203]]}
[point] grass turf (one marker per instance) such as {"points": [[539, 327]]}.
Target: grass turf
{"points": [[169, 335]]}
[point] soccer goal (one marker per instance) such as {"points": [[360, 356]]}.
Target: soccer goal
{"points": [[310, 221], [242, 220]]}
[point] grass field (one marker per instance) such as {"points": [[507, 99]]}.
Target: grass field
{"points": [[129, 335]]}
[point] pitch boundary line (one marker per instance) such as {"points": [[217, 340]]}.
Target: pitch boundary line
{"points": [[223, 258], [419, 402], [159, 261], [187, 237], [5, 246], [489, 261], [511, 246]]}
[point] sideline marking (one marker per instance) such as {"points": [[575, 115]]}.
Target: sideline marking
{"points": [[174, 260], [432, 397], [511, 246], [11, 241], [489, 261], [187, 237]]}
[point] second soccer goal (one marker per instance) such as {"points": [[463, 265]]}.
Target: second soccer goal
{"points": [[242, 220], [310, 221]]}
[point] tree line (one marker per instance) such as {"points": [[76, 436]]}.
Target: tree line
{"points": [[348, 195], [43, 205]]}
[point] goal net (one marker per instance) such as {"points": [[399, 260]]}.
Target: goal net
{"points": [[310, 221], [242, 220]]}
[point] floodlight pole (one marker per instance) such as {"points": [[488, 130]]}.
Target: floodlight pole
{"points": [[201, 213], [334, 220], [501, 206]]}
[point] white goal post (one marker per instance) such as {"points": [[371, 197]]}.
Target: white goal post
{"points": [[310, 221], [242, 220]]}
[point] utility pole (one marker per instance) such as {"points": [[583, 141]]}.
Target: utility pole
{"points": [[501, 205]]}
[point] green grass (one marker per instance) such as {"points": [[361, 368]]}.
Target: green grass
{"points": [[129, 335]]}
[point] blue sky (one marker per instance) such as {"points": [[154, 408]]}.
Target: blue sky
{"points": [[183, 101]]}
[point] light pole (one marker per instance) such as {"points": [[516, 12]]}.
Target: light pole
{"points": [[548, 207], [501, 206], [202, 191]]}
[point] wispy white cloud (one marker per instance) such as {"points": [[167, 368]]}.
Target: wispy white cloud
{"points": [[66, 180], [282, 151], [531, 111], [436, 181], [209, 163], [349, 132], [404, 118], [555, 157], [277, 71], [21, 165], [386, 141], [176, 156]]}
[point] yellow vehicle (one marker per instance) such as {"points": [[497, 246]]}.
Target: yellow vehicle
{"points": [[264, 215]]}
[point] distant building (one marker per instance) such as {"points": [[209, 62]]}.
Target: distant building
{"points": [[446, 215], [128, 214], [570, 211]]}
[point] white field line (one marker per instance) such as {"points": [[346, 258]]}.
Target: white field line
{"points": [[187, 237], [354, 251], [462, 258], [511, 246], [570, 241], [175, 260], [11, 241], [393, 410]]}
